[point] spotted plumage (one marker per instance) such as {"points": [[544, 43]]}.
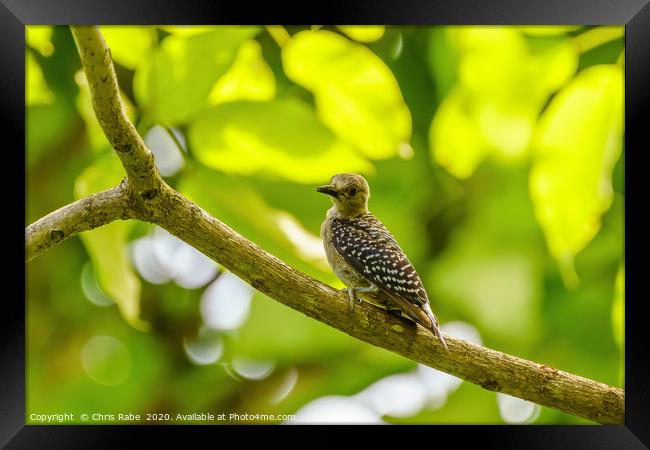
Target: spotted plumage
{"points": [[366, 257], [367, 245]]}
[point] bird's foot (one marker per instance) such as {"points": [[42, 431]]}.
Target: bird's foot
{"points": [[352, 293], [351, 296]]}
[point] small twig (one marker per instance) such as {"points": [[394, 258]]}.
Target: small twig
{"points": [[173, 137], [279, 34], [596, 37]]}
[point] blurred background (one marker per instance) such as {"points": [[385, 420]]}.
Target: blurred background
{"points": [[494, 155]]}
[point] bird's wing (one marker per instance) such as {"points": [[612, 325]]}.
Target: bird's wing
{"points": [[368, 246], [373, 226]]}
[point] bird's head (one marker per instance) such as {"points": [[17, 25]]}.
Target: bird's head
{"points": [[349, 192]]}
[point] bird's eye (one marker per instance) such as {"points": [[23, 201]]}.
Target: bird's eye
{"points": [[352, 192]]}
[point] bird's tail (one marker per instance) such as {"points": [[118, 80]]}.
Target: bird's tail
{"points": [[435, 326]]}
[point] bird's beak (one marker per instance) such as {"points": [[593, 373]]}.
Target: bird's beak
{"points": [[328, 189]]}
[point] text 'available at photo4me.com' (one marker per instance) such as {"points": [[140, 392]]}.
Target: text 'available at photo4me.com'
{"points": [[128, 417]]}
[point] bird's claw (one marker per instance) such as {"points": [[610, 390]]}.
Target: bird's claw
{"points": [[352, 294]]}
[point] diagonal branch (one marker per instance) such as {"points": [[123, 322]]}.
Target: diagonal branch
{"points": [[152, 200], [493, 370]]}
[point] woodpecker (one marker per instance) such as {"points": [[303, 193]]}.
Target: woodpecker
{"points": [[366, 257]]}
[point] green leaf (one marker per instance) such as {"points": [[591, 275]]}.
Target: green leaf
{"points": [[363, 33], [456, 142], [502, 86], [236, 203], [174, 83], [249, 78], [356, 94], [130, 44], [39, 37], [577, 143], [38, 91], [508, 84], [107, 245], [282, 137]]}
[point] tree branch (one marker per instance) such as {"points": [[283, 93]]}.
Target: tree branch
{"points": [[82, 215], [488, 368], [137, 159]]}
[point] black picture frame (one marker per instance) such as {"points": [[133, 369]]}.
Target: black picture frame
{"points": [[634, 14]]}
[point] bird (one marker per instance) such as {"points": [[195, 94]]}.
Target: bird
{"points": [[365, 256]]}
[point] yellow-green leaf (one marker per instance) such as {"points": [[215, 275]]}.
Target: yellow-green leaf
{"points": [[107, 245], [356, 94], [554, 68], [39, 37], [502, 86], [38, 91], [456, 141], [129, 44], [508, 83], [363, 33], [174, 83], [249, 78], [282, 137], [576, 145]]}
